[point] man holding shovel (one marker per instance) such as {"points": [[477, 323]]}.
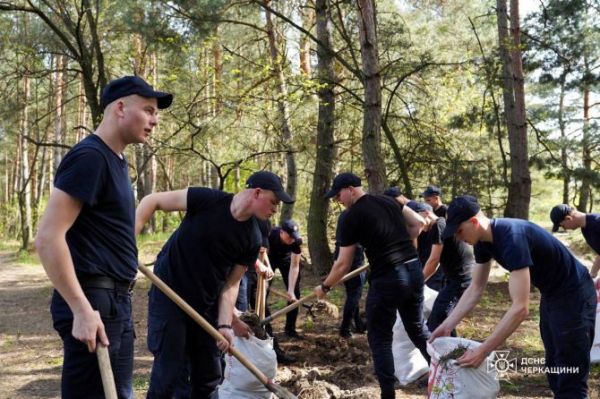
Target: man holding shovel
{"points": [[87, 245], [203, 261], [385, 229]]}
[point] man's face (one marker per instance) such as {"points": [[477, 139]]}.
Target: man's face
{"points": [[286, 237], [139, 116], [344, 197], [433, 200], [468, 231], [266, 203]]}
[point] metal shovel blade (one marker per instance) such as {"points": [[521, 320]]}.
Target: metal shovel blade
{"points": [[280, 391]]}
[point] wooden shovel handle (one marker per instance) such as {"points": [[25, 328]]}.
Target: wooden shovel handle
{"points": [[108, 380], [201, 321]]}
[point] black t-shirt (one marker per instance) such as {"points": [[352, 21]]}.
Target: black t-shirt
{"points": [[428, 238], [280, 253], [376, 222], [201, 253], [457, 259], [102, 239], [359, 252], [441, 211]]}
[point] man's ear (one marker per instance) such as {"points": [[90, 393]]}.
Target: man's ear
{"points": [[568, 217], [474, 221]]}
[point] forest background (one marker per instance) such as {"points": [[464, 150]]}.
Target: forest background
{"points": [[481, 97]]}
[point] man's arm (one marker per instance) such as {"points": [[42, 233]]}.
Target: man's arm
{"points": [[227, 303], [595, 267], [340, 268], [293, 276], [167, 201], [414, 222], [433, 261], [518, 287], [51, 245], [467, 301]]}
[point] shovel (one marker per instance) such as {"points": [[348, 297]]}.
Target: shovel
{"points": [[108, 380], [278, 390], [309, 297]]}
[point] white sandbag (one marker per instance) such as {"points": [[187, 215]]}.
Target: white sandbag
{"points": [[409, 363], [447, 380], [595, 353], [239, 382]]}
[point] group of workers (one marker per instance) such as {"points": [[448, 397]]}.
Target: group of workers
{"points": [[87, 244]]}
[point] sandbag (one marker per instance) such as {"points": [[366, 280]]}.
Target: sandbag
{"points": [[239, 383], [447, 380], [595, 352], [409, 363]]}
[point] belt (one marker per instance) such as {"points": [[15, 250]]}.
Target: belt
{"points": [[105, 282]]}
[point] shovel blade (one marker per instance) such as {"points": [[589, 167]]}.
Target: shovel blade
{"points": [[280, 391]]}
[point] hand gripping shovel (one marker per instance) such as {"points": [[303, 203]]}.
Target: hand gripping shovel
{"points": [[309, 297], [108, 380], [279, 391]]}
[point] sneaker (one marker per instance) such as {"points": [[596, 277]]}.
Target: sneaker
{"points": [[294, 334], [283, 358]]}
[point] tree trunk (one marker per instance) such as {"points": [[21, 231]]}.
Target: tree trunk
{"points": [[218, 72], [371, 140], [59, 118], [566, 173], [287, 135], [320, 253], [403, 168], [24, 193], [307, 14], [586, 144], [519, 189]]}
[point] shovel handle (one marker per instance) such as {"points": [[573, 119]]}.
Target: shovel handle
{"points": [[108, 380], [201, 321], [310, 296]]}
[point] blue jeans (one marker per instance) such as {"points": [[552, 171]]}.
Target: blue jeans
{"points": [[567, 328], [241, 302], [399, 289], [80, 374], [446, 301], [178, 343], [437, 280], [354, 288]]}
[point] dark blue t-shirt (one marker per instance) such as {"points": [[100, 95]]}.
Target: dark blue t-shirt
{"points": [[209, 242], [427, 239], [280, 253], [591, 231], [359, 252], [519, 244], [102, 239], [376, 223]]}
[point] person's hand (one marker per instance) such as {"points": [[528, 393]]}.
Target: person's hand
{"points": [[472, 358], [228, 334], [265, 271], [291, 297], [441, 331], [319, 292], [87, 326], [240, 329]]}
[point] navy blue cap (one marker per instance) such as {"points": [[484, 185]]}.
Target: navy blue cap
{"points": [[128, 85], [419, 206], [460, 210], [430, 191], [269, 181], [341, 181], [393, 192], [558, 214], [291, 227]]}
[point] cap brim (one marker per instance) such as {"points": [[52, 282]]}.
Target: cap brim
{"points": [[284, 197], [331, 193], [449, 231]]}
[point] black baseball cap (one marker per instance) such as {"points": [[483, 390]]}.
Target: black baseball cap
{"points": [[128, 85], [419, 206], [341, 181], [291, 227], [460, 210], [269, 181], [393, 192], [430, 191], [558, 214]]}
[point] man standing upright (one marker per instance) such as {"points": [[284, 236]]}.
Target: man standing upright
{"points": [[385, 229], [87, 245], [570, 219], [433, 196]]}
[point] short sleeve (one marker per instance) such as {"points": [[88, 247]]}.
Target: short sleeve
{"points": [[349, 229], [516, 252], [82, 174], [483, 252], [436, 237], [199, 198]]}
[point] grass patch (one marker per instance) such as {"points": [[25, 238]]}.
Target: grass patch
{"points": [[140, 383]]}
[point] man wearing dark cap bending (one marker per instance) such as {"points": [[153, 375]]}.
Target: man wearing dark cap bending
{"points": [[433, 196], [86, 240], [385, 229], [203, 261], [533, 256], [570, 219]]}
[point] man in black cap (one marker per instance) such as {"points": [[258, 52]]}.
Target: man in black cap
{"points": [[285, 249], [570, 219], [396, 193], [385, 228], [203, 261], [533, 256], [87, 245], [433, 196]]}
